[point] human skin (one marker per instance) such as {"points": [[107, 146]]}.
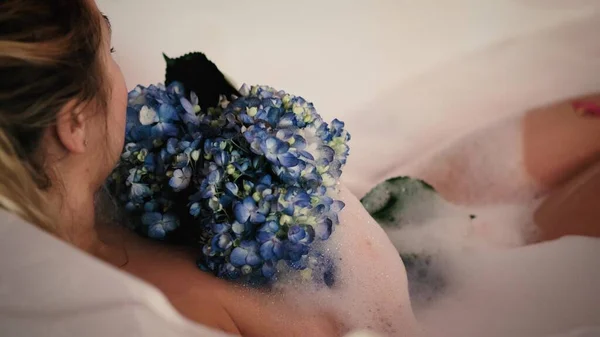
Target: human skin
{"points": [[562, 153], [370, 290], [552, 154]]}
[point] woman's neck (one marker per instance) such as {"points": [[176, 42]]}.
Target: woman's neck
{"points": [[75, 212]]}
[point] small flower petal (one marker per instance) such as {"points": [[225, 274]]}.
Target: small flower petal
{"points": [[148, 116], [238, 257]]}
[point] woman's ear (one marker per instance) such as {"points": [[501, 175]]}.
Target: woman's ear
{"points": [[71, 128]]}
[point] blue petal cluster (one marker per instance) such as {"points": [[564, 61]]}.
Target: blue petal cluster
{"points": [[250, 181]]}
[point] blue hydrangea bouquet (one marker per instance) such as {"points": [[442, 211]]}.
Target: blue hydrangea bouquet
{"points": [[248, 178]]}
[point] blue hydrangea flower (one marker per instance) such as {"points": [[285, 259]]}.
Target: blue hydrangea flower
{"points": [[159, 224], [221, 242], [246, 254], [324, 228], [181, 179], [232, 188], [301, 234], [257, 174], [247, 210], [240, 229], [295, 251], [161, 121], [230, 271], [195, 209], [269, 270], [151, 206], [221, 227], [294, 198], [272, 249], [278, 152], [267, 232], [135, 176], [139, 191]]}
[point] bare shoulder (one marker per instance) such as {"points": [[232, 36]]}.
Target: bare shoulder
{"points": [[365, 294], [196, 295], [219, 304], [272, 313]]}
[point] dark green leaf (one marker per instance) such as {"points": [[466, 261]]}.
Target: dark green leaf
{"points": [[198, 74], [387, 201]]}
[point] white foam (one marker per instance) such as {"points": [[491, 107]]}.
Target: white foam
{"points": [[528, 291], [482, 278]]}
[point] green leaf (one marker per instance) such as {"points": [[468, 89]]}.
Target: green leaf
{"points": [[200, 75], [168, 60], [388, 200]]}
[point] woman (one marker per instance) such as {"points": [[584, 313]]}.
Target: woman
{"points": [[62, 119], [62, 116]]}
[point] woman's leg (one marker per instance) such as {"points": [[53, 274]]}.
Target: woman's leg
{"points": [[573, 208], [544, 153], [560, 141]]}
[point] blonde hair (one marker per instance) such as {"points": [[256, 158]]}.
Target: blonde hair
{"points": [[49, 56]]}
